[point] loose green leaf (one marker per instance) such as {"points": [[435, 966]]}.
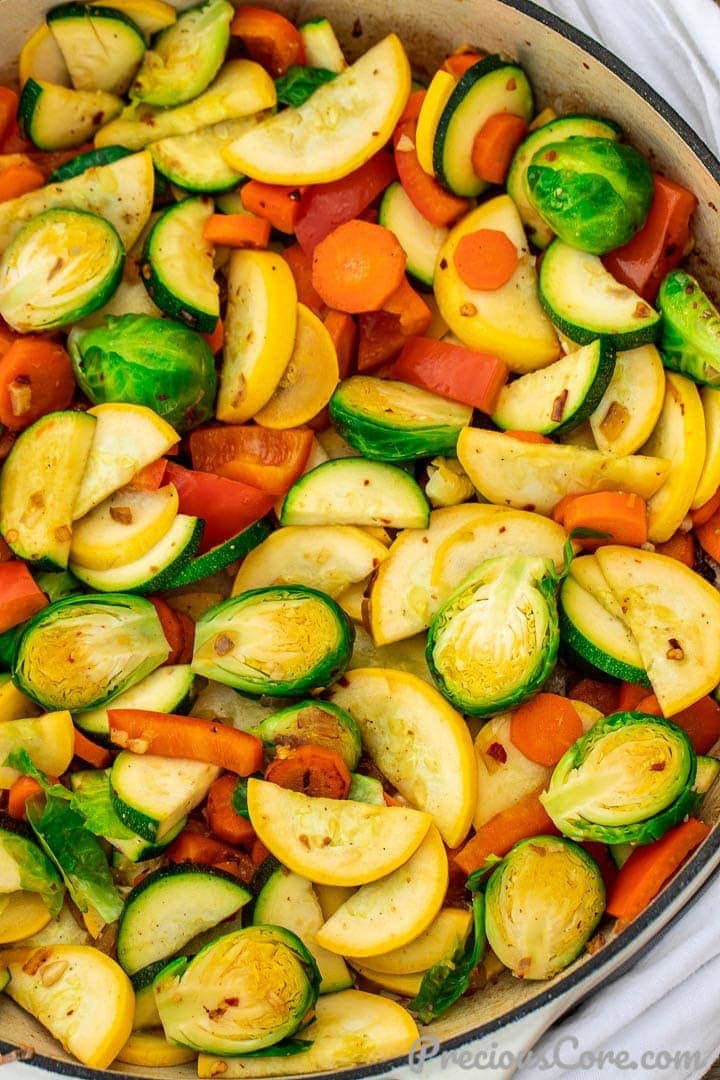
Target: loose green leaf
{"points": [[448, 980], [93, 801], [36, 872], [21, 761], [581, 533], [300, 83], [239, 797], [478, 877]]}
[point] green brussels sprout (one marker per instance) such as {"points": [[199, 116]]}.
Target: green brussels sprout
{"points": [[317, 722], [628, 780], [149, 361], [542, 903], [242, 992], [82, 651], [495, 640], [689, 329], [25, 866], [594, 193], [283, 641]]}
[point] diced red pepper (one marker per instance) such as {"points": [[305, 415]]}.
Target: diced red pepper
{"points": [[452, 371], [328, 205], [20, 597], [268, 459], [226, 506]]}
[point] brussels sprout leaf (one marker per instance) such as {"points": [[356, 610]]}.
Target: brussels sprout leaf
{"points": [[57, 584], [281, 1049], [93, 801], [478, 877], [448, 980], [300, 83], [36, 873]]}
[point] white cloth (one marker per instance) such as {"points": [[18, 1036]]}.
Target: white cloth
{"points": [[667, 1005]]}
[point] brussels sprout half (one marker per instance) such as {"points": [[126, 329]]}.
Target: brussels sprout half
{"points": [[690, 329], [82, 651], [594, 193], [542, 903], [317, 722], [282, 641], [242, 992], [495, 640], [628, 780], [149, 361]]}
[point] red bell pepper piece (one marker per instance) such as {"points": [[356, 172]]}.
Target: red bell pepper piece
{"points": [[428, 197], [268, 459], [383, 333], [326, 206], [20, 597], [226, 506], [658, 247], [452, 371]]}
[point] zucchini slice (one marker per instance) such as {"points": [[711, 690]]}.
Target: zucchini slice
{"points": [[221, 556], [679, 436], [674, 615], [57, 118], [165, 690], [563, 127], [288, 900], [590, 632], [260, 329], [48, 739], [586, 302], [241, 89], [196, 161], [325, 557], [491, 86], [39, 485], [150, 16], [186, 56], [90, 160], [354, 491], [299, 146], [102, 47], [322, 49], [710, 477], [123, 528], [708, 769], [169, 907], [369, 842], [320, 723], [154, 571], [420, 240], [95, 191], [625, 417], [387, 420], [407, 986], [151, 794], [560, 397], [433, 105], [177, 265], [536, 476], [62, 266], [40, 58], [366, 789], [281, 641], [400, 717], [82, 997], [311, 375], [388, 1030], [508, 322]]}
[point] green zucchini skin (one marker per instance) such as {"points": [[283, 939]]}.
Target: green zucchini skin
{"points": [[299, 724], [168, 689], [58, 118], [158, 569], [104, 155], [222, 555], [579, 637], [155, 817], [690, 330], [175, 238], [101, 46]]}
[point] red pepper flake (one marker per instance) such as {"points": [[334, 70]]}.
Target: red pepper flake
{"points": [[497, 752]]}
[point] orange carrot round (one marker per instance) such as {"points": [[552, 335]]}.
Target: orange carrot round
{"points": [[649, 867], [358, 267], [222, 817], [459, 62], [494, 146], [313, 770], [36, 378], [18, 180], [144, 732], [486, 259], [545, 727], [706, 511], [270, 38]]}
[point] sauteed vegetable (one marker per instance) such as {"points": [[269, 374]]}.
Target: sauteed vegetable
{"points": [[360, 518]]}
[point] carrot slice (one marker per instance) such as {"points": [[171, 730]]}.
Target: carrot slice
{"points": [[649, 867], [494, 146], [20, 597], [708, 534], [277, 203], [216, 339], [313, 770], [87, 750], [358, 267], [170, 626], [459, 62], [222, 817], [36, 378], [631, 694], [680, 546], [545, 727], [622, 516], [414, 314], [529, 437], [197, 847], [17, 180], [525, 818], [144, 732], [601, 695], [300, 264], [269, 38], [237, 230], [258, 853], [24, 788], [486, 259], [706, 511], [700, 721]]}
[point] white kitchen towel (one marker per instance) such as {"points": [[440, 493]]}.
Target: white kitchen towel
{"points": [[660, 1019]]}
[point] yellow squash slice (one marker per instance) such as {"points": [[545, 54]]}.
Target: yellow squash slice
{"points": [[151, 1050], [126, 439], [79, 994], [123, 528], [446, 932], [23, 914], [336, 130], [630, 407], [389, 913], [40, 58], [150, 16], [325, 557], [260, 326], [679, 436], [48, 739], [331, 841], [505, 775], [507, 322], [438, 94], [418, 742], [536, 476], [674, 615], [710, 475], [14, 705], [350, 1028], [307, 383], [403, 985], [331, 897]]}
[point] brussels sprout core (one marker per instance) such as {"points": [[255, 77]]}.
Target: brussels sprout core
{"points": [[495, 640], [541, 905], [594, 193], [628, 780]]}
